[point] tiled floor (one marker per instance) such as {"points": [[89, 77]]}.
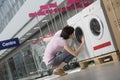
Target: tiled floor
{"points": [[56, 76], [104, 72]]}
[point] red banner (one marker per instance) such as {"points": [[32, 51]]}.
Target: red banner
{"points": [[70, 1], [56, 10], [73, 1], [44, 7], [52, 5], [40, 13], [49, 11], [87, 3], [48, 6], [64, 9], [78, 0], [33, 14]]}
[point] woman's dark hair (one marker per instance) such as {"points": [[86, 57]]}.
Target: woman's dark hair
{"points": [[67, 31]]}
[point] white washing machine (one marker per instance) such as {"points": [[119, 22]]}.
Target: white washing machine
{"points": [[98, 32], [81, 30]]}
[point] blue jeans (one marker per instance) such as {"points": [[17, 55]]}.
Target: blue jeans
{"points": [[62, 57]]}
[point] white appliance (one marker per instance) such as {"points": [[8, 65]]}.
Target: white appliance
{"points": [[92, 22], [98, 31], [78, 25]]}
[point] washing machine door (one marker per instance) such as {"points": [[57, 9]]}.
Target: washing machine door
{"points": [[96, 27], [84, 53], [78, 34]]}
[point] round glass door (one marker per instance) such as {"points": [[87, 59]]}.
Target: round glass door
{"points": [[78, 34], [96, 27]]}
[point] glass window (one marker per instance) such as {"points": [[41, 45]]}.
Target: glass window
{"points": [[2, 10], [1, 73], [12, 68], [20, 67], [6, 8], [9, 2], [4, 70], [0, 14], [15, 6], [29, 61], [9, 7], [20, 2], [12, 2]]}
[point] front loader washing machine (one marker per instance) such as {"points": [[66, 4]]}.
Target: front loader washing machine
{"points": [[81, 30], [98, 30]]}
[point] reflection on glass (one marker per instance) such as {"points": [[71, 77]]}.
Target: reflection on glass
{"points": [[7, 10], [5, 71], [29, 61], [12, 68], [20, 65], [4, 75], [1, 73]]}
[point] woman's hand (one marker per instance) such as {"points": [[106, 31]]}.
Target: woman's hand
{"points": [[83, 39]]}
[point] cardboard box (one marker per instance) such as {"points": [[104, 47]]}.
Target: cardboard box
{"points": [[112, 11]]}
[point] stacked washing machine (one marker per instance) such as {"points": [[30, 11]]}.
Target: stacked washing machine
{"points": [[91, 22]]}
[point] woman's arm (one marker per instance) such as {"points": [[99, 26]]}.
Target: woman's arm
{"points": [[76, 52], [57, 34], [47, 39]]}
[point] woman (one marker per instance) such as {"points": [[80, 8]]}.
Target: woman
{"points": [[57, 44]]}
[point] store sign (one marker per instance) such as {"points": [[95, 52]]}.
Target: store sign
{"points": [[14, 42], [53, 8]]}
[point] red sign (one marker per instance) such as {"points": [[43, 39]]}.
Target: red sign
{"points": [[102, 45], [73, 1], [33, 14]]}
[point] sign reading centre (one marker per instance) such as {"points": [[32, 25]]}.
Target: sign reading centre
{"points": [[14, 42]]}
